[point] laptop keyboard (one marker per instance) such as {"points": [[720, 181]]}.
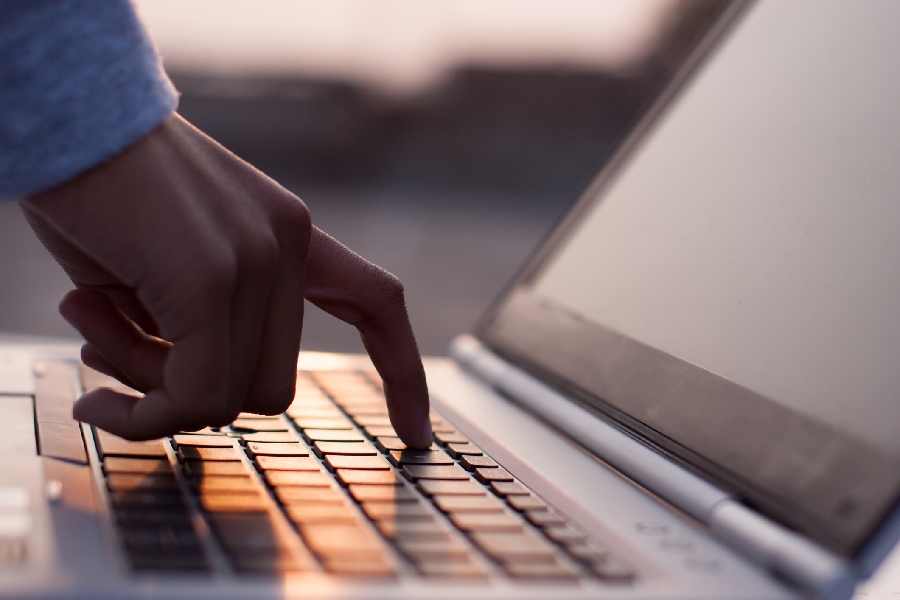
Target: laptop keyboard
{"points": [[328, 486]]}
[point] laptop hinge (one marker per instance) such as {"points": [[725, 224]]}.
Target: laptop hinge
{"points": [[784, 553]]}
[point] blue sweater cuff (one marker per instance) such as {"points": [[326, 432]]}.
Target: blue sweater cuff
{"points": [[79, 82]]}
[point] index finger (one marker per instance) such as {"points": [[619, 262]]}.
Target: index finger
{"points": [[349, 287]]}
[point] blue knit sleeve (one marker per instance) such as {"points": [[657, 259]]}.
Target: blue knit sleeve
{"points": [[79, 82]]}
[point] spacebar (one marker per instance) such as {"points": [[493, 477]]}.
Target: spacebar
{"points": [[59, 434]]}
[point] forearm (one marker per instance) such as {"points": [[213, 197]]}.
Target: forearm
{"points": [[79, 82]]}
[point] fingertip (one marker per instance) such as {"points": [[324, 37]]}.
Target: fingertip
{"points": [[106, 409]]}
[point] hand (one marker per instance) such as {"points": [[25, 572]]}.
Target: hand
{"points": [[191, 268]]}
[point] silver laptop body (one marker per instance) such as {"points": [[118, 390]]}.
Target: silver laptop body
{"points": [[692, 385]]}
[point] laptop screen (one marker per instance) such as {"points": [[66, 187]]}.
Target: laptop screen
{"points": [[729, 287]]}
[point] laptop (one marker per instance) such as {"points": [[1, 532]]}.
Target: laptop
{"points": [[690, 391]]}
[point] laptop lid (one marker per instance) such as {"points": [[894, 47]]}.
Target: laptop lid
{"points": [[727, 289]]}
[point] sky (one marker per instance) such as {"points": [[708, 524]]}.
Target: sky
{"points": [[399, 46]]}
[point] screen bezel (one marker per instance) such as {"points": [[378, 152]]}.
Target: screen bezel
{"points": [[840, 509]]}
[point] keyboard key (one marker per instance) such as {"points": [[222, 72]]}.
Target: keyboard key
{"points": [[243, 502], [444, 438], [143, 466], [614, 570], [440, 426], [277, 437], [530, 503], [451, 570], [127, 482], [139, 500], [216, 483], [374, 431], [504, 522], [505, 488], [382, 493], [543, 518], [201, 453], [556, 571], [387, 444], [447, 473], [345, 448], [210, 441], [420, 530], [459, 450], [168, 561], [265, 563], [298, 478], [287, 463], [519, 547], [325, 410], [487, 475], [309, 495], [320, 423], [356, 476], [256, 532], [379, 567], [331, 514], [565, 535], [402, 510], [480, 504], [198, 468], [332, 435], [112, 445], [276, 449], [373, 420], [367, 410], [419, 457], [342, 541], [450, 488], [434, 550], [372, 463], [474, 462], [271, 424]]}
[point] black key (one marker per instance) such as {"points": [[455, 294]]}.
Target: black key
{"points": [[248, 531], [387, 444], [451, 570], [419, 530], [332, 435], [269, 563], [202, 453], [431, 487], [161, 538], [419, 457], [167, 561], [519, 547], [143, 466], [482, 504], [138, 518], [223, 468], [276, 449], [112, 445], [444, 438], [529, 503], [344, 448], [254, 425], [283, 437], [503, 522], [557, 572], [370, 463], [488, 475], [129, 482], [210, 441], [564, 535], [382, 493], [505, 488], [323, 423], [543, 518], [471, 462], [431, 550], [441, 472], [402, 510], [287, 463], [459, 450], [155, 499]]}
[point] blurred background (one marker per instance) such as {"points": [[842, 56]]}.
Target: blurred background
{"points": [[441, 140]]}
